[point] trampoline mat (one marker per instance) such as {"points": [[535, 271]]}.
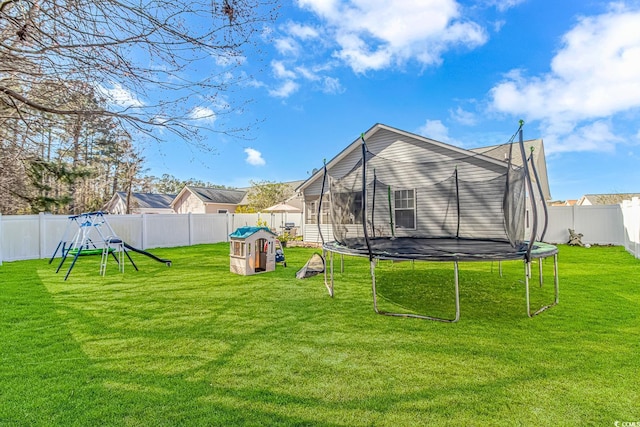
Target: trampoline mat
{"points": [[440, 249]]}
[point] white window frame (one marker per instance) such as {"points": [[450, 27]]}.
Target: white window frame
{"points": [[396, 199]]}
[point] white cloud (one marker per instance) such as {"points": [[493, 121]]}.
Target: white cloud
{"points": [[376, 34], [596, 136], [435, 129], [302, 32], [285, 90], [226, 60], [593, 76], [254, 157], [332, 85], [286, 46], [307, 73], [280, 71], [503, 5], [463, 117], [118, 95], [203, 113]]}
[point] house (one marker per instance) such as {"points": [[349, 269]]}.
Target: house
{"points": [[442, 159], [605, 199], [252, 250], [207, 200], [533, 148], [222, 200], [569, 202], [140, 203]]}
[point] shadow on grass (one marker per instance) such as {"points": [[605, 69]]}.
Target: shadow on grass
{"points": [[197, 345]]}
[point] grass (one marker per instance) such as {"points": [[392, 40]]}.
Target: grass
{"points": [[196, 345]]}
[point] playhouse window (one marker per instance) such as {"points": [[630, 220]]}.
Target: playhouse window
{"points": [[237, 249]]}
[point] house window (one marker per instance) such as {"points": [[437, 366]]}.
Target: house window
{"points": [[405, 208], [223, 211], [312, 211]]}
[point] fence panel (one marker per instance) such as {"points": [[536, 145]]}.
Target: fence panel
{"points": [[128, 228], [37, 236], [600, 224], [165, 230], [560, 221], [631, 218], [20, 237], [209, 228]]}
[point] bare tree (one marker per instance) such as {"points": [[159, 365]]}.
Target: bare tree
{"points": [[150, 63]]}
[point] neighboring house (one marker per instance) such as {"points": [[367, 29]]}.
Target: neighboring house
{"points": [[570, 202], [605, 199], [207, 200], [140, 203], [400, 144]]}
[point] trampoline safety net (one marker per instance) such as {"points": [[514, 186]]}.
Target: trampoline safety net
{"points": [[418, 191]]}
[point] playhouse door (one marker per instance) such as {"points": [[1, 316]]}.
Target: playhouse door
{"points": [[261, 255]]}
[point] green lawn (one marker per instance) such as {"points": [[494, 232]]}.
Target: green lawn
{"points": [[194, 344]]}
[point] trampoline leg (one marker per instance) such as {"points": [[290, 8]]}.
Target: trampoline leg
{"points": [[417, 316], [500, 268], [540, 272], [556, 288], [556, 280], [328, 284], [341, 263], [526, 286]]}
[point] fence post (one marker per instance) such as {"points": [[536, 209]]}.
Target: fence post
{"points": [[144, 231], [42, 238], [190, 228]]}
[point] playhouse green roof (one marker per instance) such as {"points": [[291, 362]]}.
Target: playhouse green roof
{"points": [[244, 232]]}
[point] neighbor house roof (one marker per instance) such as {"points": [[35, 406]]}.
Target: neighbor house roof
{"points": [[149, 200], [605, 199], [214, 195], [141, 201]]}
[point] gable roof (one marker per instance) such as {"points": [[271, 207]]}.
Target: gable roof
{"points": [[244, 232], [213, 195], [533, 146], [379, 126], [149, 200], [140, 202]]}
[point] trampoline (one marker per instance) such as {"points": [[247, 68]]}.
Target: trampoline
{"points": [[408, 200]]}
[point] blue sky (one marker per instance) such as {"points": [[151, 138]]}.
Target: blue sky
{"points": [[461, 72]]}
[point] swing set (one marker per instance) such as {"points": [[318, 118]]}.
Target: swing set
{"points": [[94, 236]]}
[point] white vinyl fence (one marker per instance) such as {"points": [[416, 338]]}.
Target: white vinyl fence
{"points": [[37, 236]]}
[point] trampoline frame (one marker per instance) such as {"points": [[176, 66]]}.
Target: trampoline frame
{"points": [[329, 280], [459, 251]]}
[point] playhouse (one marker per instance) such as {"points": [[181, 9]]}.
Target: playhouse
{"points": [[253, 250]]}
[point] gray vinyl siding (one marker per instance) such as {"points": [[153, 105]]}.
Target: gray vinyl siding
{"points": [[436, 211]]}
